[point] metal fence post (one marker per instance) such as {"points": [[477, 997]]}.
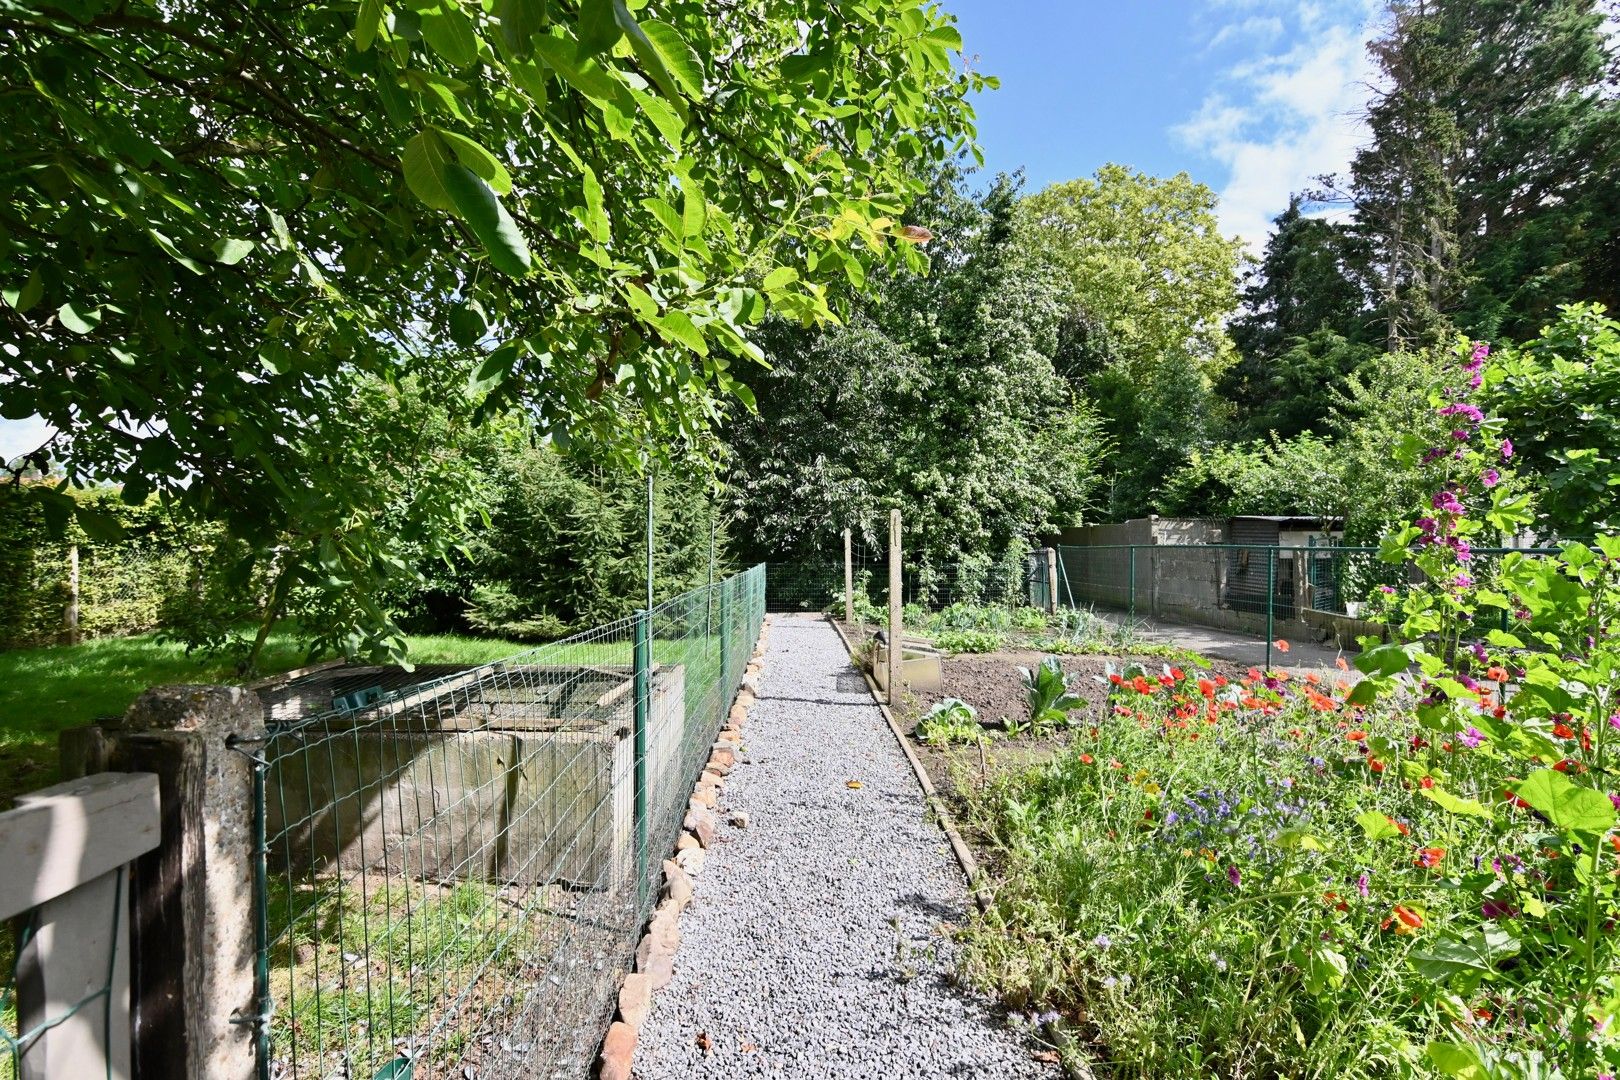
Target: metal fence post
{"points": [[725, 637], [1131, 602], [643, 666], [849, 580], [896, 650], [1271, 602]]}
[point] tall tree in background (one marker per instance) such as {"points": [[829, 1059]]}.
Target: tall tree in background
{"points": [[220, 218], [1306, 324], [1488, 188], [939, 397], [1148, 284]]}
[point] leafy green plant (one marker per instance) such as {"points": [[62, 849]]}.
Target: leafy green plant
{"points": [[969, 641], [949, 721], [1050, 701]]}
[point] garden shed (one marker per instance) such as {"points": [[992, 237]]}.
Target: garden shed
{"points": [[1248, 570]]}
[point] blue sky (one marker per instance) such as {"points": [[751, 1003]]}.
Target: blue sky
{"points": [[1252, 97]]}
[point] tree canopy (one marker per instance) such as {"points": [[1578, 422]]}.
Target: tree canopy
{"points": [[221, 218]]}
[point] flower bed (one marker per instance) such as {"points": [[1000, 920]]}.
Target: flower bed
{"points": [[1281, 876]]}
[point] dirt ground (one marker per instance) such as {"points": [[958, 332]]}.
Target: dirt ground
{"points": [[993, 684]]}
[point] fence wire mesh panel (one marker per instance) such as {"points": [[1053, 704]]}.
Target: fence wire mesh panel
{"points": [[455, 875], [1320, 589], [817, 584]]}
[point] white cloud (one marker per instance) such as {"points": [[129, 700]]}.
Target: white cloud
{"points": [[1278, 119], [1261, 29]]}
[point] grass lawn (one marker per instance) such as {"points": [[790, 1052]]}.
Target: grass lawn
{"points": [[43, 691]]}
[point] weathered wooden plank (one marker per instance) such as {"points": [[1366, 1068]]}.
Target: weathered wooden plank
{"points": [[72, 833]]}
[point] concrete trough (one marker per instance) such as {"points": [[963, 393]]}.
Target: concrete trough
{"points": [[519, 774], [919, 665]]}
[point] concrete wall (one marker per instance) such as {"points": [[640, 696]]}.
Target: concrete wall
{"points": [[512, 796]]}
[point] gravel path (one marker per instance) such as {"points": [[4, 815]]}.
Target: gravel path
{"points": [[817, 941]]}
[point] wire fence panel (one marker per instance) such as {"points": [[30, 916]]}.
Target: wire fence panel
{"points": [[454, 876]]}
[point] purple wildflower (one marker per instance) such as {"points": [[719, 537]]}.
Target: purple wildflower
{"points": [[1507, 449], [1433, 454], [1234, 875], [1490, 478], [1426, 524], [1362, 883], [1463, 581], [1460, 435], [1445, 501], [1472, 737], [1470, 413]]}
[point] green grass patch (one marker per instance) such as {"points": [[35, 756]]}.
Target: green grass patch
{"points": [[44, 691]]}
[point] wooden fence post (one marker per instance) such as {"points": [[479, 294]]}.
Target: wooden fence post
{"points": [[66, 850], [849, 580], [1051, 580], [896, 647]]}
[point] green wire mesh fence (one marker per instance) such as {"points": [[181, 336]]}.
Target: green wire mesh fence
{"points": [[1253, 589], [454, 876]]}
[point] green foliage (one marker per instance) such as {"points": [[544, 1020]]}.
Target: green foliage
{"points": [[1569, 374], [1302, 475], [221, 226], [1050, 701], [1487, 189], [938, 397], [565, 543], [950, 721], [969, 641]]}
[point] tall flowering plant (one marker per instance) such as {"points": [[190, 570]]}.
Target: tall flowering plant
{"points": [[1511, 672]]}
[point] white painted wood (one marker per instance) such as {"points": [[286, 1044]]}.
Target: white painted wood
{"points": [[64, 836], [77, 936]]}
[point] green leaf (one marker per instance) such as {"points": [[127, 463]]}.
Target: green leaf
{"points": [[680, 59], [228, 250], [1388, 659], [1377, 825], [172, 251], [467, 323], [780, 278], [424, 163], [1457, 1060], [519, 20], [597, 28], [495, 369], [667, 217], [477, 204], [596, 219], [1567, 805], [582, 73], [77, 318], [1479, 951], [449, 32], [1454, 804], [678, 327], [367, 23], [948, 36], [26, 297], [479, 160], [98, 525]]}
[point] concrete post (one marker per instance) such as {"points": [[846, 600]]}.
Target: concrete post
{"points": [[896, 648], [70, 617], [193, 1000], [849, 579], [1051, 581]]}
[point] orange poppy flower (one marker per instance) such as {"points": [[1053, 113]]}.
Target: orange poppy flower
{"points": [[1086, 759], [1357, 736], [1496, 674], [1563, 731], [1375, 765], [1282, 646], [1339, 663], [1428, 858], [1403, 918]]}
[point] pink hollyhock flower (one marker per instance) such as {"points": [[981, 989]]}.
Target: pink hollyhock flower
{"points": [[1507, 449], [1490, 478]]}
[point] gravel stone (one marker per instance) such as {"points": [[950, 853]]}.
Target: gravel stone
{"points": [[817, 943]]}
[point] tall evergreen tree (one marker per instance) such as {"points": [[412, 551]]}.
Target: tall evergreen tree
{"points": [[1488, 188], [1306, 324]]}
